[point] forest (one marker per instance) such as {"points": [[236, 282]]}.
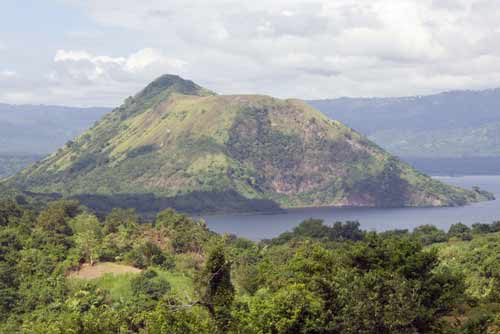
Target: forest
{"points": [[58, 274]]}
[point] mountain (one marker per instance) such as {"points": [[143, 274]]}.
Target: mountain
{"points": [[40, 129], [434, 133], [10, 164], [178, 144], [447, 125]]}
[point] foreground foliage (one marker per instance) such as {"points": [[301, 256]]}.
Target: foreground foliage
{"points": [[314, 279]]}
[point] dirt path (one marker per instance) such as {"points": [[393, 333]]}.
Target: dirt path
{"points": [[90, 272]]}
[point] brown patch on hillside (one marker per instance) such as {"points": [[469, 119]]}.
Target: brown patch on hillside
{"points": [[87, 271]]}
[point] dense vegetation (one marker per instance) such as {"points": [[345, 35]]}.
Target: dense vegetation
{"points": [[185, 146], [451, 124], [314, 279]]}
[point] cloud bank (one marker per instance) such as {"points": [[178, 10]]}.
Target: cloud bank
{"points": [[293, 48]]}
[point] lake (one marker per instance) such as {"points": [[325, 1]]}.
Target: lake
{"points": [[262, 226]]}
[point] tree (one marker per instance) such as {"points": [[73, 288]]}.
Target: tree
{"points": [[312, 228], [173, 317], [187, 235], [146, 254], [346, 231], [55, 217], [377, 302], [170, 218], [316, 229], [149, 284], [402, 269], [9, 274], [479, 228], [292, 309], [429, 234], [87, 235], [216, 289], [9, 211], [126, 218], [460, 231], [495, 227]]}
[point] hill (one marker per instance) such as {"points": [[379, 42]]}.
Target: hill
{"points": [[447, 125], [41, 129], [180, 145]]}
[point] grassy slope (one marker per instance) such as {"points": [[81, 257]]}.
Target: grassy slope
{"points": [[175, 138], [119, 285]]}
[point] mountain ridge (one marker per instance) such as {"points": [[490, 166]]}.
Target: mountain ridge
{"points": [[175, 139], [41, 129], [449, 124]]}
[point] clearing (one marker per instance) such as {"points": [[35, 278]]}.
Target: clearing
{"points": [[91, 272]]}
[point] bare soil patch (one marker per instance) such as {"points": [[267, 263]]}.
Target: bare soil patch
{"points": [[87, 271]]}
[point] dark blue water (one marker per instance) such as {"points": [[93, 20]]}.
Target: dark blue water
{"points": [[258, 226]]}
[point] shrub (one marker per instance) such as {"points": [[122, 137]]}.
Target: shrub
{"points": [[149, 284], [460, 231], [429, 234], [479, 228]]}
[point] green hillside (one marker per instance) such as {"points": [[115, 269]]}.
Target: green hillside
{"points": [[480, 141], [178, 144]]}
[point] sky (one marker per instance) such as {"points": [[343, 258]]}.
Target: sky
{"points": [[98, 52]]}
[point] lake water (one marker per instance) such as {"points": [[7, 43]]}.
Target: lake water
{"points": [[262, 226]]}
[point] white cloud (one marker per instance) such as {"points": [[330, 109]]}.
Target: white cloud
{"points": [[7, 74], [146, 57], [102, 79], [299, 48], [101, 65], [80, 77], [17, 97], [379, 47], [82, 56]]}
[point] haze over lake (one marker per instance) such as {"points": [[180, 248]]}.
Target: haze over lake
{"points": [[262, 226]]}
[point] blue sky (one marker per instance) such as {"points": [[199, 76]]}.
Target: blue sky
{"points": [[95, 52]]}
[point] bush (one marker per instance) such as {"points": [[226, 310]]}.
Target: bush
{"points": [[149, 284], [147, 254], [460, 231], [495, 227], [429, 234], [479, 228], [316, 229]]}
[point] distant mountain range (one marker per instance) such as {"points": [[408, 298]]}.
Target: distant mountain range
{"points": [[13, 163], [41, 129], [447, 125], [176, 144]]}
